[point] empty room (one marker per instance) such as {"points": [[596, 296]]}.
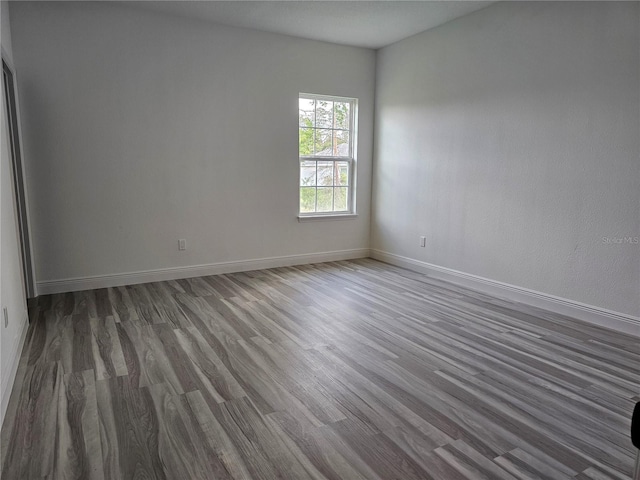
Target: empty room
{"points": [[328, 240]]}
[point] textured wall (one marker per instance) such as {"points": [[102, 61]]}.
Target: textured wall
{"points": [[511, 139], [142, 128]]}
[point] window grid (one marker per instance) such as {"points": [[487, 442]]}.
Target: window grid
{"points": [[335, 194], [338, 182]]}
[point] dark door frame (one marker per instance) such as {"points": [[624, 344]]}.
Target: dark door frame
{"points": [[15, 149]]}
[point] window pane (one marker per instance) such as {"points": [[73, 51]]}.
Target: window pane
{"points": [[325, 199], [342, 143], [341, 115], [325, 173], [305, 139], [340, 199], [324, 114], [307, 199], [306, 108], [307, 173], [323, 143], [325, 138], [341, 173]]}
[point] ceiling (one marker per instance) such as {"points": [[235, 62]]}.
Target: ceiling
{"points": [[361, 23]]}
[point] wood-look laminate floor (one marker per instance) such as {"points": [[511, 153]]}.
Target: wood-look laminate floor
{"points": [[349, 370]]}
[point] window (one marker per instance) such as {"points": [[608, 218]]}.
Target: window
{"points": [[326, 137]]}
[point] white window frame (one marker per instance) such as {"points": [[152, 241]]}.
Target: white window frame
{"points": [[351, 160]]}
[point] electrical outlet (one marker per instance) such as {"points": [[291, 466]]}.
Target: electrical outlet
{"points": [[5, 312], [423, 241], [182, 244]]}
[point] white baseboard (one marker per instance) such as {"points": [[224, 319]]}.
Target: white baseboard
{"points": [[174, 273], [7, 380], [589, 313]]}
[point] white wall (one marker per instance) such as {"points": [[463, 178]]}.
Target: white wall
{"points": [[141, 128], [12, 294], [511, 139]]}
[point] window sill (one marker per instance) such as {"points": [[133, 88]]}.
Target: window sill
{"points": [[315, 218]]}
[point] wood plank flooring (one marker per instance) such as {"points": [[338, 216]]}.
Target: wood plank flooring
{"points": [[351, 370]]}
